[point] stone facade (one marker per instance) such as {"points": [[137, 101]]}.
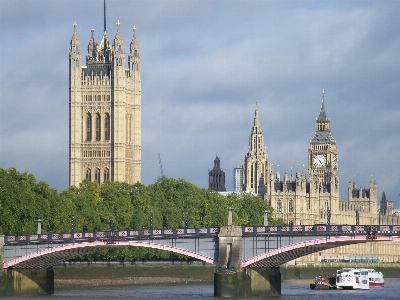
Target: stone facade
{"points": [[313, 198], [105, 111]]}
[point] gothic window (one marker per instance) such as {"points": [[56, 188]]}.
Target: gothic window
{"points": [[106, 174], [128, 128], [88, 127], [291, 206], [98, 121], [97, 175], [279, 206], [107, 127], [89, 174]]}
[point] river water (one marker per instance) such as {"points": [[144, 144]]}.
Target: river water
{"points": [[291, 290]]}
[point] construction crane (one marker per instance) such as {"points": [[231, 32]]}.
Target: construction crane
{"points": [[159, 162]]}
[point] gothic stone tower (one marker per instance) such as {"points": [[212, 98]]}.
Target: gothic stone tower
{"points": [[105, 111], [323, 166], [322, 152], [256, 164]]}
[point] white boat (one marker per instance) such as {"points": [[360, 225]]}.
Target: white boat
{"points": [[375, 278], [352, 279]]}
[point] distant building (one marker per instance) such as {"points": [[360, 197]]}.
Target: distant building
{"points": [[386, 206], [313, 198], [383, 204], [238, 179], [216, 177]]}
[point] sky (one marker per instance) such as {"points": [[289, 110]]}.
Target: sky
{"points": [[204, 66]]}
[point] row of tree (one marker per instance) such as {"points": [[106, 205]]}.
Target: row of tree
{"points": [[24, 200]]}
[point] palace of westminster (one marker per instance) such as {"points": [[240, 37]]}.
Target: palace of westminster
{"points": [[105, 144]]}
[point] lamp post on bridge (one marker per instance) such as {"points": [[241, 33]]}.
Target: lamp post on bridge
{"points": [[39, 226], [72, 225], [265, 212], [229, 210], [151, 220], [187, 220]]}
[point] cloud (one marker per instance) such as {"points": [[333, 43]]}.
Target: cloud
{"points": [[204, 64]]}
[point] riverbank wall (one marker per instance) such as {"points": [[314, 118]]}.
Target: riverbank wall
{"points": [[389, 270], [105, 270], [198, 270]]}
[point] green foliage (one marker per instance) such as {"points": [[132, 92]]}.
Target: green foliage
{"points": [[24, 200]]}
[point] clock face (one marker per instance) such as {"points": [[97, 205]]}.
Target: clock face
{"points": [[319, 160]]}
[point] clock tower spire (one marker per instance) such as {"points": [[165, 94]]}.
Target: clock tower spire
{"points": [[322, 152]]}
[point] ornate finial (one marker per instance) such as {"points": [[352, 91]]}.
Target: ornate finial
{"points": [[118, 23], [323, 95], [75, 26], [92, 30], [134, 31]]}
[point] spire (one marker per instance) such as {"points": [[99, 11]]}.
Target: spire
{"points": [[323, 117], [92, 49], [118, 43], [134, 47], [75, 35], [75, 42], [105, 16], [323, 128], [256, 119]]}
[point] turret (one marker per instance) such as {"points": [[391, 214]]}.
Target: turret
{"points": [[92, 49], [75, 55], [119, 55], [134, 54]]}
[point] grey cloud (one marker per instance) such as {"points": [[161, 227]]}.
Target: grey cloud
{"points": [[204, 65]]}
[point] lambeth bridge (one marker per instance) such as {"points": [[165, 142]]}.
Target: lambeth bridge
{"points": [[247, 259]]}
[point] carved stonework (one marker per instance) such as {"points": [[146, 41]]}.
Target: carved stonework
{"points": [[91, 143]]}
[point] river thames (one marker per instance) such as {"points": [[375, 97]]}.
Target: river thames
{"points": [[291, 289]]}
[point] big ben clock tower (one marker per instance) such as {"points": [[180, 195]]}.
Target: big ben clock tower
{"points": [[323, 153]]}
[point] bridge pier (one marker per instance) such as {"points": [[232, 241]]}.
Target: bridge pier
{"points": [[230, 280], [27, 282]]}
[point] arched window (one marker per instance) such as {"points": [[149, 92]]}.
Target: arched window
{"points": [[89, 174], [97, 175], [106, 174], [98, 121], [107, 127], [89, 127]]}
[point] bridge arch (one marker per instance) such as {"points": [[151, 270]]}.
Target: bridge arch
{"points": [[285, 254], [53, 256]]}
